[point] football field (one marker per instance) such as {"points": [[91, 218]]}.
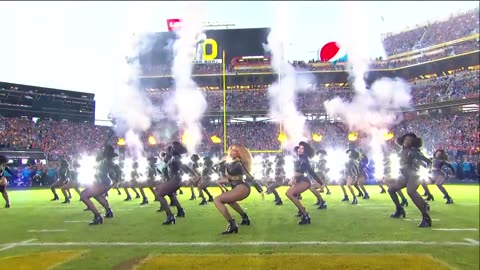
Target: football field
{"points": [[39, 234]]}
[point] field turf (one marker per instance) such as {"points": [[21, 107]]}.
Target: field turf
{"points": [[38, 234]]}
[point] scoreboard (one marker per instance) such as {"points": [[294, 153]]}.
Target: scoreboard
{"points": [[210, 45]]}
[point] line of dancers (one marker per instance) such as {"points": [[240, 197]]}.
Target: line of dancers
{"points": [[235, 170]]}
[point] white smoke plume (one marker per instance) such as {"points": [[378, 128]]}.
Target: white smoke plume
{"points": [[131, 108], [282, 93], [188, 103], [372, 111]]}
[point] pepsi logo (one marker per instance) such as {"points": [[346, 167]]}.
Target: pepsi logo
{"points": [[173, 24], [332, 52]]}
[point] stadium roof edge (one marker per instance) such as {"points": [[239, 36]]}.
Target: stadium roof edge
{"points": [[46, 88]]}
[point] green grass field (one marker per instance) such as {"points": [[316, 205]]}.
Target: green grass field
{"points": [[342, 237]]}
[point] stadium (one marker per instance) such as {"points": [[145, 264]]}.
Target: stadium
{"points": [[315, 171]]}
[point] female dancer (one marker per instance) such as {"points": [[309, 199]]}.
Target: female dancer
{"points": [[205, 181], [300, 181], [440, 161], [193, 181], [106, 171], [322, 169], [239, 163], [174, 181], [279, 179], [220, 169], [133, 183], [150, 183], [71, 183], [364, 173], [62, 174], [351, 173], [3, 179], [410, 160]]}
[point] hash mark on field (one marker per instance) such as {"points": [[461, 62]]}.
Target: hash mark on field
{"points": [[455, 229], [12, 245], [473, 241], [42, 231], [467, 242], [418, 219], [77, 221]]}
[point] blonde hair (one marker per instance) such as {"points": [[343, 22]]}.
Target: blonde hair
{"points": [[244, 154]]}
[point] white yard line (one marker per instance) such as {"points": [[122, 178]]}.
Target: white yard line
{"points": [[455, 229], [28, 243], [12, 245], [473, 241], [46, 231]]}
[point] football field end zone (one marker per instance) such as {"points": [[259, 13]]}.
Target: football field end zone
{"points": [[291, 261], [39, 261]]}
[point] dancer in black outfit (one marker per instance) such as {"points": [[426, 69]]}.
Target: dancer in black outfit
{"points": [[300, 180], [237, 172], [3, 180], [410, 160], [174, 168], [106, 171]]}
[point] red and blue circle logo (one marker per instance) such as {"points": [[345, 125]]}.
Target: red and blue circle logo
{"points": [[332, 52]]}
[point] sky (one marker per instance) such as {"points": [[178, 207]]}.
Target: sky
{"points": [[79, 45]]}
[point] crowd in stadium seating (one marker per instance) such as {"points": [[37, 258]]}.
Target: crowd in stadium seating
{"points": [[17, 133], [454, 28], [435, 33], [62, 139]]}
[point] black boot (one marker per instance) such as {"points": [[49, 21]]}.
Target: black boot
{"points": [[404, 203], [204, 202], [430, 198], [383, 191], [109, 214], [170, 220], [98, 219], [128, 199], [7, 205], [305, 220], [279, 202], [180, 192], [66, 201], [193, 198], [160, 209], [318, 202], [328, 192], [323, 205], [86, 209], [231, 228], [425, 194], [426, 221], [145, 201], [137, 196], [345, 199], [55, 198], [245, 220], [119, 192], [366, 197], [360, 194], [181, 213], [449, 200], [171, 203], [69, 196], [210, 199], [400, 212], [355, 201]]}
